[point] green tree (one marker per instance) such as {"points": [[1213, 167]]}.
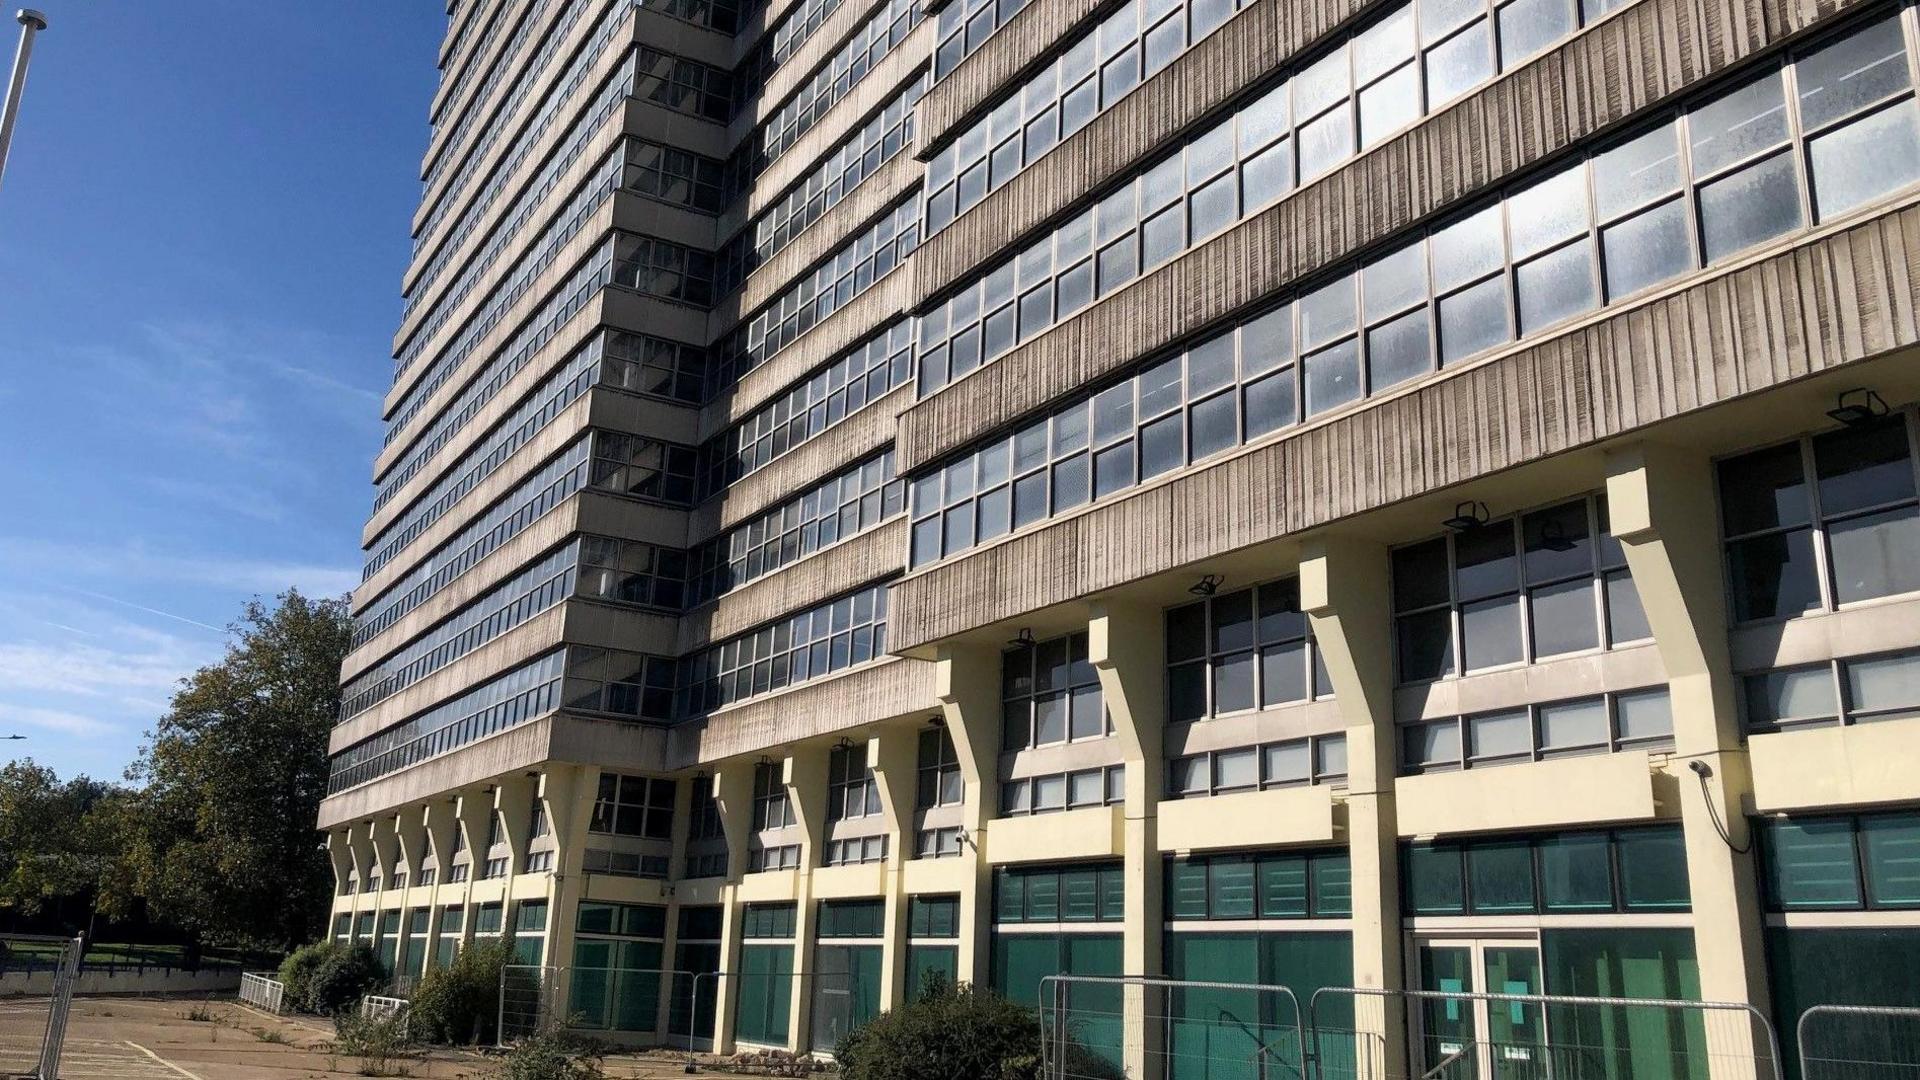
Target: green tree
{"points": [[221, 841], [48, 851]]}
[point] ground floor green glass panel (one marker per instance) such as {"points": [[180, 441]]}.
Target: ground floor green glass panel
{"points": [[846, 990], [1224, 1034], [1022, 962], [615, 985], [690, 1007], [1626, 1043], [931, 962], [765, 994], [1844, 966]]}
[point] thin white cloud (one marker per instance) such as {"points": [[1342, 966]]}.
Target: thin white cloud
{"points": [[135, 562], [243, 499], [15, 717]]}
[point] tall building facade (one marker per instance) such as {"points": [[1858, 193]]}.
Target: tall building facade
{"points": [[1384, 493]]}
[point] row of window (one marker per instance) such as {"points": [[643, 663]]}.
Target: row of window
{"points": [[1260, 885], [1627, 870], [795, 28], [1053, 894], [685, 86], [852, 790], [1844, 863], [842, 506], [567, 384], [856, 379], [635, 864], [1516, 590], [849, 272], [853, 850], [1823, 521], [851, 919], [939, 781], [1240, 164], [1513, 267], [554, 91], [664, 269], [633, 806], [1102, 66], [1064, 791], [675, 176], [513, 220], [643, 468], [1251, 648], [1049, 694], [594, 273], [964, 26], [836, 76], [831, 637], [762, 859], [859, 156], [1319, 759], [1852, 691], [505, 289], [1601, 724], [514, 601], [549, 486]]}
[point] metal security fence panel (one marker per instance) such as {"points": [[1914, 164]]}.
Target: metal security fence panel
{"points": [[33, 1024], [262, 991], [1859, 1042], [1106, 1027], [527, 999], [1484, 1036]]}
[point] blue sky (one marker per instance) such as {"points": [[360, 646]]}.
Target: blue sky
{"points": [[202, 228]]}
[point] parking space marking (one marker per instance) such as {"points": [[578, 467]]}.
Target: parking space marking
{"points": [[161, 1060]]}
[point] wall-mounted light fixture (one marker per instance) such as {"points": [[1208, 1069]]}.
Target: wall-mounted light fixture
{"points": [[1207, 586], [1024, 640], [1468, 516], [1858, 406], [936, 722]]}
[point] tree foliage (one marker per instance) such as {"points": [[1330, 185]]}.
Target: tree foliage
{"points": [[460, 1003], [54, 837], [222, 842]]}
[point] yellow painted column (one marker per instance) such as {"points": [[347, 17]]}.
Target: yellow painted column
{"points": [[340, 856], [733, 789], [1126, 643], [1660, 503], [683, 791], [806, 778], [473, 810], [438, 820], [893, 755], [553, 791], [1344, 589], [360, 848], [967, 683]]}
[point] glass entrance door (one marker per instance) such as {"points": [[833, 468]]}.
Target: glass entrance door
{"points": [[1468, 1039]]}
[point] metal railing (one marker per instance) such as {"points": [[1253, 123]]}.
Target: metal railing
{"points": [[382, 1007], [1459, 1035], [1860, 1042], [262, 991], [33, 1029], [1098, 1027]]}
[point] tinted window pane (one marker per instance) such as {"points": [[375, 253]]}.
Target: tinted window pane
{"points": [[1763, 490], [1757, 203], [1420, 575], [1555, 286], [1866, 158], [1636, 173], [1426, 645], [1793, 694], [1398, 351], [1645, 249], [1858, 468], [1333, 377], [1475, 320], [1576, 872], [1433, 885], [1884, 686], [1853, 72], [1233, 683], [1653, 869], [1528, 26], [1574, 725], [1500, 877], [1892, 849], [1644, 715], [1773, 575], [1563, 618], [1876, 555], [1811, 865], [1738, 125], [1490, 633]]}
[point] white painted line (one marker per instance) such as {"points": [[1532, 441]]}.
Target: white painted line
{"points": [[162, 1060]]}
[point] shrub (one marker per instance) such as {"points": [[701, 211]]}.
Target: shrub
{"points": [[947, 1032], [460, 1003], [344, 975], [551, 1054], [296, 972], [376, 1040]]}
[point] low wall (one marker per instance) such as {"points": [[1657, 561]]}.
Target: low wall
{"points": [[120, 980]]}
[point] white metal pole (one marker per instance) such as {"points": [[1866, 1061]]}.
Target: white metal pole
{"points": [[31, 23]]}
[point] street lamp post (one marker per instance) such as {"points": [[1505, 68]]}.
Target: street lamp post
{"points": [[31, 23]]}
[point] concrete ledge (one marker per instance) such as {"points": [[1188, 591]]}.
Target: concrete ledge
{"points": [[1543, 794], [938, 875], [1098, 832], [769, 886], [860, 879], [1836, 766], [1299, 815]]}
